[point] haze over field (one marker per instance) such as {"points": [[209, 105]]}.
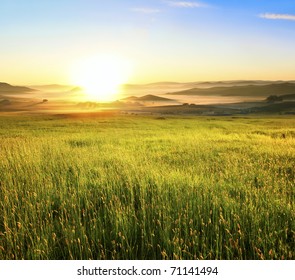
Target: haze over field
{"points": [[166, 98]]}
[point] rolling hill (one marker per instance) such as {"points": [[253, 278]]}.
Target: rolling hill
{"points": [[285, 88], [153, 98], [54, 88], [282, 107], [6, 88], [288, 97], [147, 98]]}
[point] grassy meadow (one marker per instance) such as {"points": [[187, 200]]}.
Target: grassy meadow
{"points": [[142, 187]]}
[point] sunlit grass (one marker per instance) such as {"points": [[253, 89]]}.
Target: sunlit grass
{"points": [[131, 187]]}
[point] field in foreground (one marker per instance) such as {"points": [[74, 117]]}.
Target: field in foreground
{"points": [[138, 187]]}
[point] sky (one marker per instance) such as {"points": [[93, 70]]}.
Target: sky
{"points": [[41, 42]]}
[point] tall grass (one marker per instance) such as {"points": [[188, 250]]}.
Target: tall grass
{"points": [[135, 187]]}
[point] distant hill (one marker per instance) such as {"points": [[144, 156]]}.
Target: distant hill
{"points": [[153, 98], [7, 88], [234, 83], [204, 84], [5, 102], [54, 87], [288, 97], [147, 98], [75, 90], [150, 85], [249, 90], [275, 108], [130, 98], [156, 88]]}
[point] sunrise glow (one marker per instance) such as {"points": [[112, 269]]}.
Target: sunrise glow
{"points": [[101, 76]]}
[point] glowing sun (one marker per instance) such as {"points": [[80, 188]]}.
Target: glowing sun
{"points": [[101, 76]]}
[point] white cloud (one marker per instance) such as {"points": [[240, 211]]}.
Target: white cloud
{"points": [[146, 10], [277, 16], [186, 4]]}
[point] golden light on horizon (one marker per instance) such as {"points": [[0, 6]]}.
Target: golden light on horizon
{"points": [[101, 76]]}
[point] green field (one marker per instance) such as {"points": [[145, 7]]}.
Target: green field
{"points": [[138, 187]]}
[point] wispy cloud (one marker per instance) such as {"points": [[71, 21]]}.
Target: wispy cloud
{"points": [[186, 4], [277, 16], [146, 10]]}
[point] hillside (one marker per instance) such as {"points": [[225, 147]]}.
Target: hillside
{"points": [[147, 98], [7, 88], [249, 90], [130, 98], [54, 88], [153, 98], [283, 107], [288, 97]]}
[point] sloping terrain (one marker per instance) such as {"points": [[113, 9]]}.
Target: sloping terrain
{"points": [[152, 98], [288, 97], [282, 107], [249, 90], [6, 88]]}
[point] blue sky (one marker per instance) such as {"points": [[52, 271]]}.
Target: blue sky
{"points": [[165, 40]]}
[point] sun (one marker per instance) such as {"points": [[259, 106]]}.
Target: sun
{"points": [[101, 76]]}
